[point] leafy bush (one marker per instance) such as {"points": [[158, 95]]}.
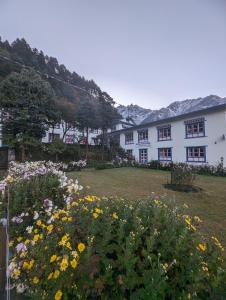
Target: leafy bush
{"points": [[103, 166], [115, 249], [28, 185], [182, 175]]}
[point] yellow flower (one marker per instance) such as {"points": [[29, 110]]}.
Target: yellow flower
{"points": [[69, 219], [36, 237], [64, 219], [81, 247], [95, 215], [58, 295], [64, 239], [19, 239], [53, 258], [36, 230], [202, 247], [114, 216], [39, 222], [49, 228], [98, 210], [64, 264], [35, 280], [74, 263], [50, 276], [56, 274], [197, 219], [68, 245]]}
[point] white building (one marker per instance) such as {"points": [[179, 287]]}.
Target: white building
{"points": [[74, 135], [196, 137]]}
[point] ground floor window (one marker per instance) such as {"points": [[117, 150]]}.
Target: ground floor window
{"points": [[69, 139], [129, 153], [53, 136], [143, 156], [196, 154], [165, 154]]}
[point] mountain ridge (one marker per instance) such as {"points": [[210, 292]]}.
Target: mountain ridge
{"points": [[142, 115]]}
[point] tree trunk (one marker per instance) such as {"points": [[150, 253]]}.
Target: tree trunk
{"points": [[87, 141], [103, 137], [22, 154]]}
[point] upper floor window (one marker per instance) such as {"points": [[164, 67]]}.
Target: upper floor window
{"points": [[165, 154], [129, 138], [196, 154], [143, 135], [164, 133], [195, 128]]}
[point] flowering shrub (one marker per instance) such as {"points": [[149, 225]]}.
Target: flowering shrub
{"points": [[112, 249], [28, 185], [76, 165]]}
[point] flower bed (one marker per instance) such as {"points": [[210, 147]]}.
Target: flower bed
{"points": [[91, 248]]}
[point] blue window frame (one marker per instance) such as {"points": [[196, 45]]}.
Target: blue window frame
{"points": [[143, 136], [164, 133], [195, 128], [143, 156], [196, 154], [165, 154], [129, 138]]}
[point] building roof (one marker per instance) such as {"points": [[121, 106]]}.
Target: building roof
{"points": [[178, 117]]}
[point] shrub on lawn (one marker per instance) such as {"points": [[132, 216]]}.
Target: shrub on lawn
{"points": [[182, 176], [115, 249]]}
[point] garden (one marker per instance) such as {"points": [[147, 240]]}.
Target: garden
{"points": [[110, 234]]}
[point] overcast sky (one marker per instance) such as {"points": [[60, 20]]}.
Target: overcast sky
{"points": [[146, 52]]}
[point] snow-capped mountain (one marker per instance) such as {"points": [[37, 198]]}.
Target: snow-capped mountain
{"points": [[143, 115], [133, 112]]}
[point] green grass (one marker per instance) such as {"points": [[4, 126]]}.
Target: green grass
{"points": [[135, 183]]}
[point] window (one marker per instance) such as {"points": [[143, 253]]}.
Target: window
{"points": [[94, 131], [195, 128], [196, 154], [165, 154], [164, 133], [143, 156], [129, 153], [129, 138], [53, 137], [69, 138], [143, 136]]}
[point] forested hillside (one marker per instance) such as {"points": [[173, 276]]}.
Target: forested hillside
{"points": [[14, 56]]}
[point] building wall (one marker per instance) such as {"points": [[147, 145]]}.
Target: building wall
{"points": [[214, 140]]}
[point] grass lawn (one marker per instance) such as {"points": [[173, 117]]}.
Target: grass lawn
{"points": [[135, 183]]}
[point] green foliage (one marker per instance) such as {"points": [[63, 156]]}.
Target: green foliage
{"points": [[27, 101], [182, 175], [131, 250], [104, 165], [56, 148]]}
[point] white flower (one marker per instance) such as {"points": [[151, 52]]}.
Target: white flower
{"points": [[29, 229], [20, 288], [36, 215]]}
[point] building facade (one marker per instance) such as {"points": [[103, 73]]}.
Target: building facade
{"points": [[72, 135], [198, 138]]}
